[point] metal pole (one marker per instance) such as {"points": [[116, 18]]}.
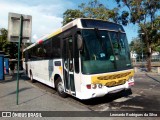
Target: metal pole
{"points": [[19, 46]]}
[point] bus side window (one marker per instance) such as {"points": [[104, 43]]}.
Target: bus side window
{"points": [[47, 49], [56, 51], [26, 56]]}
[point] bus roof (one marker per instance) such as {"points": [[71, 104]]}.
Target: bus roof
{"points": [[76, 22]]}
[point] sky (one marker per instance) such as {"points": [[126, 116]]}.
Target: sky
{"points": [[47, 15]]}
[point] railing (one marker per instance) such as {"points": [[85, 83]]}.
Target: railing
{"points": [[143, 59], [140, 64]]}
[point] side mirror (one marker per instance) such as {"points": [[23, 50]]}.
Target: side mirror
{"points": [[79, 42]]}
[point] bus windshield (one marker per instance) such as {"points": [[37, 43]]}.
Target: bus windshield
{"points": [[104, 51]]}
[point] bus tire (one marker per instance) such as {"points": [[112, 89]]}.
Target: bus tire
{"points": [[31, 77], [60, 88]]}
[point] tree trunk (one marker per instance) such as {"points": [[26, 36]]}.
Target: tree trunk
{"points": [[149, 62], [148, 55]]}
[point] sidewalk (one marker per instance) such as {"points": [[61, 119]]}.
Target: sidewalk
{"points": [[31, 98]]}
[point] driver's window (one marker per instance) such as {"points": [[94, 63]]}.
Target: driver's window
{"points": [[122, 45], [114, 39], [92, 44]]}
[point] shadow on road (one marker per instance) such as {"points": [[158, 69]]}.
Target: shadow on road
{"points": [[95, 101], [107, 98], [153, 78], [37, 97], [14, 92]]}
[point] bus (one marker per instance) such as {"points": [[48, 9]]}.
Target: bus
{"points": [[86, 58]]}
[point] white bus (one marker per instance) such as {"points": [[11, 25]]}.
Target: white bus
{"points": [[86, 58]]}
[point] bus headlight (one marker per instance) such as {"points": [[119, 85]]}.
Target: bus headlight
{"points": [[94, 86], [99, 85]]}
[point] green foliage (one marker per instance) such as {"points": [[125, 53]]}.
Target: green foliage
{"points": [[7, 47], [144, 13], [92, 9], [158, 48], [152, 30], [140, 10], [138, 46], [3, 39], [70, 14]]}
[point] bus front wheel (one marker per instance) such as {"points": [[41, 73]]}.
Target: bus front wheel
{"points": [[60, 88]]}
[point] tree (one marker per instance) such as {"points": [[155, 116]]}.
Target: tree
{"points": [[3, 38], [136, 45], [93, 9], [6, 46], [144, 14], [70, 14]]}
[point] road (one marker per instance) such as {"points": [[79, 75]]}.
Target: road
{"points": [[145, 96], [39, 97]]}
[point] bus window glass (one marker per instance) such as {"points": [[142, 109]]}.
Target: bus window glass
{"points": [[88, 23], [56, 49], [104, 52], [47, 47], [120, 47]]}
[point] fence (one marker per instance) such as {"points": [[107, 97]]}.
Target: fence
{"points": [[143, 59], [140, 64]]}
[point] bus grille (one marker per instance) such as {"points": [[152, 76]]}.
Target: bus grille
{"points": [[115, 76]]}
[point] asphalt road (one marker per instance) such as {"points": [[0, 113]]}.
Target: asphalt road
{"points": [[144, 96]]}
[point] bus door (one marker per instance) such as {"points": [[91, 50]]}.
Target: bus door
{"points": [[68, 65]]}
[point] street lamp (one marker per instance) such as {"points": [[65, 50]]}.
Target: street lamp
{"points": [[142, 44]]}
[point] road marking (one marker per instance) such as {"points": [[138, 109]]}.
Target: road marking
{"points": [[104, 109], [153, 86], [131, 106], [135, 95], [115, 108], [141, 92], [122, 99]]}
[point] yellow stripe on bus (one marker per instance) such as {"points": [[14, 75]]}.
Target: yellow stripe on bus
{"points": [[60, 68], [114, 78], [55, 33]]}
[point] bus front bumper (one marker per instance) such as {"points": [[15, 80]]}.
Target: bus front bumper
{"points": [[100, 92]]}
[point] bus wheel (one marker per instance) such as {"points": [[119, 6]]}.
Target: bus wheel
{"points": [[60, 88], [31, 77]]}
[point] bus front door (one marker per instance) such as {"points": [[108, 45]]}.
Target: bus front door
{"points": [[68, 65]]}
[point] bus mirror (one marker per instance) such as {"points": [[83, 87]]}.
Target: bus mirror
{"points": [[79, 42]]}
